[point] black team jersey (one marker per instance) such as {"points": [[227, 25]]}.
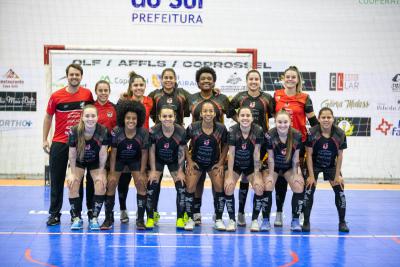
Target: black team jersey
{"points": [[279, 148], [261, 107], [244, 148], [167, 148], [92, 146], [178, 100], [220, 103], [129, 149], [206, 149], [325, 150]]}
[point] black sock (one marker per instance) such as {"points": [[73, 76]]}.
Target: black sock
{"points": [[308, 203], [297, 204], [340, 201], [76, 206], [189, 199], [266, 204], [151, 190], [257, 206], [280, 193], [109, 206], [243, 191], [180, 199], [98, 201], [230, 206], [157, 194], [123, 189], [196, 205], [220, 196], [141, 206]]}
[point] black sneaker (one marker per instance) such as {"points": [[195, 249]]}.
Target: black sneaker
{"points": [[107, 224], [54, 219], [306, 227], [140, 224], [343, 227]]}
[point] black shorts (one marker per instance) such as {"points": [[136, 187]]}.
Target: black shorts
{"points": [[88, 165], [131, 166], [245, 171], [281, 171], [329, 173], [172, 167]]}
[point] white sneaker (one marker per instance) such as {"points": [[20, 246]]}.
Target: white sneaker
{"points": [[301, 218], [197, 218], [124, 216], [278, 220], [241, 219], [219, 225], [231, 226], [255, 227], [189, 226]]}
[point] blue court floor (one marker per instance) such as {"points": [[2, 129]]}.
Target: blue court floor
{"points": [[374, 238]]}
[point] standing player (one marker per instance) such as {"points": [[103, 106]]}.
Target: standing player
{"points": [[284, 145], [129, 152], [206, 78], [87, 150], [178, 99], [168, 146], [324, 148], [262, 109], [299, 106], [244, 139], [208, 154], [66, 104]]}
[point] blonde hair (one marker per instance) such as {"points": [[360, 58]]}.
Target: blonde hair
{"points": [[81, 142], [299, 86], [289, 139]]}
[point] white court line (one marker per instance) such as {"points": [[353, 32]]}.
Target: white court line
{"points": [[205, 234], [159, 246]]}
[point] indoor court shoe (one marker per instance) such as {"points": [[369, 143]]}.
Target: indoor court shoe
{"points": [[254, 227], [219, 225], [94, 224], [295, 225], [343, 227], [124, 216], [265, 225], [140, 224], [53, 219], [301, 218], [180, 223], [197, 218], [156, 217], [231, 226], [306, 227], [107, 224], [185, 218], [189, 226], [150, 223], [77, 224], [279, 219], [241, 220]]}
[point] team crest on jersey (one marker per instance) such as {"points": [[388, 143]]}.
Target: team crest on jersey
{"points": [[325, 146], [129, 146], [87, 147], [109, 114], [252, 104], [244, 146], [169, 100], [207, 142], [283, 151], [166, 145]]}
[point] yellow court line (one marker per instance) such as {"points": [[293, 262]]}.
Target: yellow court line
{"points": [[170, 183]]}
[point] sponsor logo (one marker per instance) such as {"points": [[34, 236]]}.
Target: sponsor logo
{"points": [[339, 81], [18, 101], [346, 104], [9, 125], [168, 12], [234, 79], [379, 2], [11, 79], [273, 80], [394, 106], [384, 126], [355, 126], [396, 83]]}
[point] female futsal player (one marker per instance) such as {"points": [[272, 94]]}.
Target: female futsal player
{"points": [[87, 150], [324, 147]]}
